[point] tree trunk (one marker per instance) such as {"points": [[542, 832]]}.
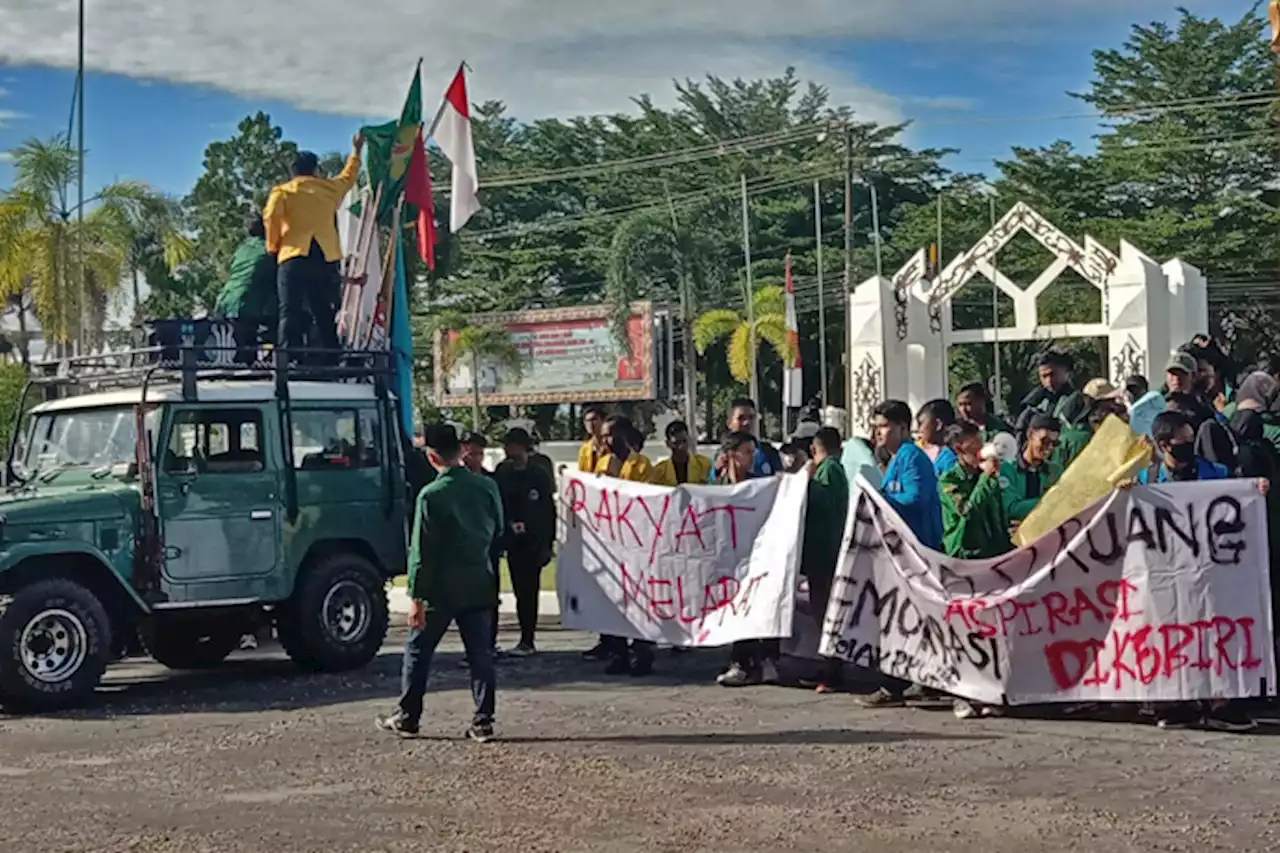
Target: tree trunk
{"points": [[475, 391]]}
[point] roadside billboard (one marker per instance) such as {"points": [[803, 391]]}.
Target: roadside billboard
{"points": [[570, 356]]}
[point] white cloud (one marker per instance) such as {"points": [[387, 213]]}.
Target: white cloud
{"points": [[543, 57], [941, 102], [5, 156]]}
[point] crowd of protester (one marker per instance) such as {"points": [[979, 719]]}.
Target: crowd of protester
{"points": [[941, 468]]}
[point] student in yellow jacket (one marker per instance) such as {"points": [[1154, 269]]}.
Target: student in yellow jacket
{"points": [[681, 466], [626, 464], [302, 232], [593, 449]]}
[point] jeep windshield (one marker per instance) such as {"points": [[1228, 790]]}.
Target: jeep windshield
{"points": [[80, 438]]}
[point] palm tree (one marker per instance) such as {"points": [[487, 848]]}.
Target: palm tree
{"points": [[41, 238], [770, 328], [477, 344]]}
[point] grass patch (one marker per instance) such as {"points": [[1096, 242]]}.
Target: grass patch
{"points": [[504, 577]]}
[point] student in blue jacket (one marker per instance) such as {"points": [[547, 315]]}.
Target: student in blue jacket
{"points": [[909, 483]]}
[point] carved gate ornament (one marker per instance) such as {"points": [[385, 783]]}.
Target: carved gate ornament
{"points": [[867, 391], [1093, 262]]}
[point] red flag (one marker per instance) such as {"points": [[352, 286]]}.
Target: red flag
{"points": [[417, 191]]}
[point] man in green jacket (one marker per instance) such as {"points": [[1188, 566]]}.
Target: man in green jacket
{"points": [[973, 404], [248, 299], [1056, 395], [1024, 482], [974, 525], [824, 523], [457, 521]]}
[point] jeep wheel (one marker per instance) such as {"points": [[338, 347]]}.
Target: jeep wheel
{"points": [[337, 617], [55, 642], [189, 646]]}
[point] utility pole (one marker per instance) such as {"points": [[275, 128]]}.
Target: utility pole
{"points": [[822, 300], [686, 323], [847, 367], [875, 228], [998, 393], [751, 297], [80, 325]]}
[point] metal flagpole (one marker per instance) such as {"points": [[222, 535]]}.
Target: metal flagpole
{"points": [[875, 228], [751, 299], [822, 303], [686, 323], [848, 276], [995, 314], [80, 325]]}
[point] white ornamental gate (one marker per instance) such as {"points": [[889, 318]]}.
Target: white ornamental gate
{"points": [[901, 328]]}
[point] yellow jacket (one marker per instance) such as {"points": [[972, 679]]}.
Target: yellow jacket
{"points": [[664, 473], [588, 457], [303, 209], [636, 468]]}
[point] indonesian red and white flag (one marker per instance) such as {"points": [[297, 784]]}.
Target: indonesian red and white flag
{"points": [[453, 135], [792, 377]]}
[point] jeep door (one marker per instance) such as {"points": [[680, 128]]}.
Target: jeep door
{"points": [[217, 500]]}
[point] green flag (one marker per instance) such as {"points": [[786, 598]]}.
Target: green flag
{"points": [[388, 146]]}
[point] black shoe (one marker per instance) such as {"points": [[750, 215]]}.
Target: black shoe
{"points": [[1230, 718], [618, 666], [398, 725], [480, 732], [597, 652]]}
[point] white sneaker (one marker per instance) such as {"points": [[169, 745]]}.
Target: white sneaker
{"points": [[735, 676]]}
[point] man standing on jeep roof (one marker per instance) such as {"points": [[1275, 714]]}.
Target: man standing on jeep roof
{"points": [[458, 519]]}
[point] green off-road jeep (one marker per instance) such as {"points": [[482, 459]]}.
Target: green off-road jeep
{"points": [[191, 508]]}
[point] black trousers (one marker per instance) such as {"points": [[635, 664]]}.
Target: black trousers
{"points": [[819, 598], [248, 340], [309, 285], [750, 654], [526, 584], [420, 647]]}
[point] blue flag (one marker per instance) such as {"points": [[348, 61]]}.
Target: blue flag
{"points": [[402, 341]]}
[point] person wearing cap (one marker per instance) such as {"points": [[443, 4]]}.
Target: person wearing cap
{"points": [[1056, 395], [301, 226], [528, 506], [1180, 373], [457, 519], [682, 466], [1024, 481], [1076, 434]]}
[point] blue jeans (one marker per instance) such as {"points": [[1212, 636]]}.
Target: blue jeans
{"points": [[420, 646]]}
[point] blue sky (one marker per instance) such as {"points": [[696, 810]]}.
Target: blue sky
{"points": [[972, 87]]}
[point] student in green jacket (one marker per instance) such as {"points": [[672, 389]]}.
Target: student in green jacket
{"points": [[973, 404], [1025, 481], [824, 523], [974, 525], [248, 299], [456, 524]]}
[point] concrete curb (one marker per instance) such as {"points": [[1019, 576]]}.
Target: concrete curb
{"points": [[548, 602]]}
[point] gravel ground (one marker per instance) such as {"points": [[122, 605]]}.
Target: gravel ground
{"points": [[256, 757]]}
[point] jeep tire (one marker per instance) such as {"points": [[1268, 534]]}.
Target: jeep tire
{"points": [[190, 645], [337, 617], [55, 643]]}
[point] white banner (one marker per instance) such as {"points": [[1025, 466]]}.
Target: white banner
{"points": [[690, 566], [1153, 594]]}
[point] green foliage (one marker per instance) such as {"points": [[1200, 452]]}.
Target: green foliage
{"points": [[13, 377]]}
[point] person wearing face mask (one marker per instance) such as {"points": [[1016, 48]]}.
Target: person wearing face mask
{"points": [[1176, 460], [1024, 481], [974, 524], [620, 436], [457, 519]]}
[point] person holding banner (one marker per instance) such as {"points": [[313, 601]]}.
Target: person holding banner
{"points": [[456, 521], [1024, 481], [1177, 461], [910, 484], [825, 517], [681, 466], [974, 524], [750, 661], [626, 464], [742, 418]]}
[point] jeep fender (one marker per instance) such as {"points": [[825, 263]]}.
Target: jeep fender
{"points": [[14, 556]]}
